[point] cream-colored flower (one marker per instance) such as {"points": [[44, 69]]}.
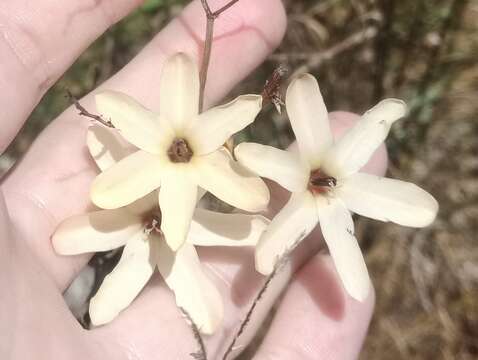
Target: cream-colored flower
{"points": [[138, 227], [179, 150], [326, 184]]}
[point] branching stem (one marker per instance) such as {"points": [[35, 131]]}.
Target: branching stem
{"points": [[201, 354], [86, 113], [210, 18], [279, 266]]}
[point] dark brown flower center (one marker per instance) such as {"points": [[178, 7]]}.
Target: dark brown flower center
{"points": [[320, 182], [152, 223], [179, 151]]}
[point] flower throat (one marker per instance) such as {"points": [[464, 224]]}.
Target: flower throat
{"points": [[179, 151], [320, 182]]}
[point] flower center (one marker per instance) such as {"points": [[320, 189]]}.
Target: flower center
{"points": [[320, 182], [179, 151], [152, 223]]}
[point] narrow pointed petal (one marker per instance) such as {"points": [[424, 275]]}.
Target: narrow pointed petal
{"points": [[338, 231], [283, 167], [130, 179], [386, 199], [97, 231], [106, 147], [210, 228], [354, 149], [179, 91], [309, 118], [231, 183], [177, 200], [136, 124], [215, 126], [194, 291], [290, 226], [125, 282]]}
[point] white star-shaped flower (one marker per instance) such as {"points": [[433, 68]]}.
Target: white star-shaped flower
{"points": [[179, 150], [138, 227], [326, 184]]}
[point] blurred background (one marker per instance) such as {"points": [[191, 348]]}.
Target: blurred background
{"points": [[423, 51]]}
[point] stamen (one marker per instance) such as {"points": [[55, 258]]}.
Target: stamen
{"points": [[153, 224], [320, 182], [179, 151], [325, 181]]}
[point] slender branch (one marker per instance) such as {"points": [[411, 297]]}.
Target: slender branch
{"points": [[277, 268], [201, 354], [315, 59], [205, 60], [225, 7], [86, 113], [210, 19]]}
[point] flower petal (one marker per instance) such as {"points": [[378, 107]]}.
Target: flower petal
{"points": [[210, 228], [386, 199], [309, 118], [130, 179], [124, 283], [338, 231], [194, 291], [136, 124], [177, 200], [97, 231], [106, 147], [292, 224], [179, 91], [225, 179], [353, 150], [215, 126], [281, 166]]}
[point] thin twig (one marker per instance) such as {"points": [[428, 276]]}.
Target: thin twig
{"points": [[277, 268], [315, 59], [210, 19], [86, 113], [224, 8], [201, 354]]}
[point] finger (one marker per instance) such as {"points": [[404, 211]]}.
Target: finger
{"points": [[38, 42], [4, 227], [317, 319], [52, 181]]}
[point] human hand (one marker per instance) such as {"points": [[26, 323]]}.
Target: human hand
{"points": [[316, 318]]}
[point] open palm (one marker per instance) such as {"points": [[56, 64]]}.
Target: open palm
{"points": [[315, 319]]}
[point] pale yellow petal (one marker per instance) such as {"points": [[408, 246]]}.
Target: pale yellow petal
{"points": [[309, 118], [177, 200], [209, 228], [283, 167], [96, 231], [128, 180], [338, 231], [179, 91], [387, 199], [125, 282], [354, 148], [231, 183], [194, 291], [290, 226], [215, 126], [135, 123]]}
